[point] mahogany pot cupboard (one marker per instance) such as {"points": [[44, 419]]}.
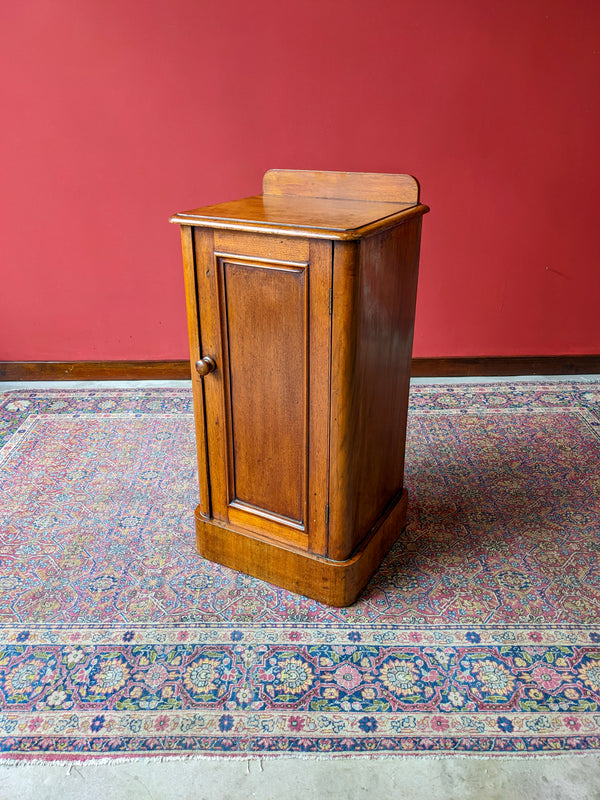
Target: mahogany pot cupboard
{"points": [[300, 306]]}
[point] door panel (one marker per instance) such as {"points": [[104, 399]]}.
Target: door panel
{"points": [[266, 323], [264, 335]]}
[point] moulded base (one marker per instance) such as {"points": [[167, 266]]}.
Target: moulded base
{"points": [[335, 583]]}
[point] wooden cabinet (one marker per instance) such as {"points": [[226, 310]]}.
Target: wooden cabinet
{"points": [[300, 307]]}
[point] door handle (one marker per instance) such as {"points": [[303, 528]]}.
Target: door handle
{"points": [[205, 366]]}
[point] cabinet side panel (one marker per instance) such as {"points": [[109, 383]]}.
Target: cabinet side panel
{"points": [[375, 384]]}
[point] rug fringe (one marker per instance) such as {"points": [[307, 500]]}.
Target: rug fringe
{"points": [[115, 761]]}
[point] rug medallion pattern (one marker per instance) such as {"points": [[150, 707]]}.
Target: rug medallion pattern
{"points": [[480, 633]]}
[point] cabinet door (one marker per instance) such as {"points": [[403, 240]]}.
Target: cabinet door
{"points": [[264, 318]]}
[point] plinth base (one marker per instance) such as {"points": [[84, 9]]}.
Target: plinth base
{"points": [[335, 583]]}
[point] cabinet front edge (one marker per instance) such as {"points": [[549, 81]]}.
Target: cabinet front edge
{"points": [[294, 230]]}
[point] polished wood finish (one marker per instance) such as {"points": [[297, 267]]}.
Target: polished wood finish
{"points": [[454, 367], [205, 366], [191, 293], [264, 321], [255, 318], [303, 299], [94, 370], [375, 284], [273, 248], [299, 215], [363, 186], [336, 583], [495, 366]]}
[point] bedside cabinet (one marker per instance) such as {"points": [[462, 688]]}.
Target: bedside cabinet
{"points": [[300, 306]]}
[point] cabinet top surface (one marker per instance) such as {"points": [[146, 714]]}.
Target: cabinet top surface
{"points": [[307, 216]]}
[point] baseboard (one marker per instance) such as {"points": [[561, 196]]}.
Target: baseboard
{"points": [[471, 366], [94, 370], [491, 366]]}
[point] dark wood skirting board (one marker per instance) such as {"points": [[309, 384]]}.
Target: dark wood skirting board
{"points": [[471, 366], [94, 370], [491, 366]]}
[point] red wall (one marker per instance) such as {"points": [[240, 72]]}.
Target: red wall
{"points": [[117, 113]]}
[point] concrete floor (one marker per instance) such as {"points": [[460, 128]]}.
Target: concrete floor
{"points": [[570, 777], [408, 778]]}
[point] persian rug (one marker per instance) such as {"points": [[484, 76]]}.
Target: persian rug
{"points": [[480, 633]]}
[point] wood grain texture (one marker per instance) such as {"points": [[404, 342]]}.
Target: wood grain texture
{"points": [[266, 324], [336, 583], [265, 330], [496, 366], [305, 413], [291, 215], [373, 318], [319, 366], [214, 384], [191, 295], [273, 248], [364, 186], [344, 350], [94, 370]]}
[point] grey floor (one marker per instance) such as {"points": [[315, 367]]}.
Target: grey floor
{"points": [[562, 777], [409, 778]]}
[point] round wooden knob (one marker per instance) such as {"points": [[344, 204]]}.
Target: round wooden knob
{"points": [[205, 366]]}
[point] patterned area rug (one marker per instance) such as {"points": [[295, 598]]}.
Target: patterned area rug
{"points": [[480, 633]]}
